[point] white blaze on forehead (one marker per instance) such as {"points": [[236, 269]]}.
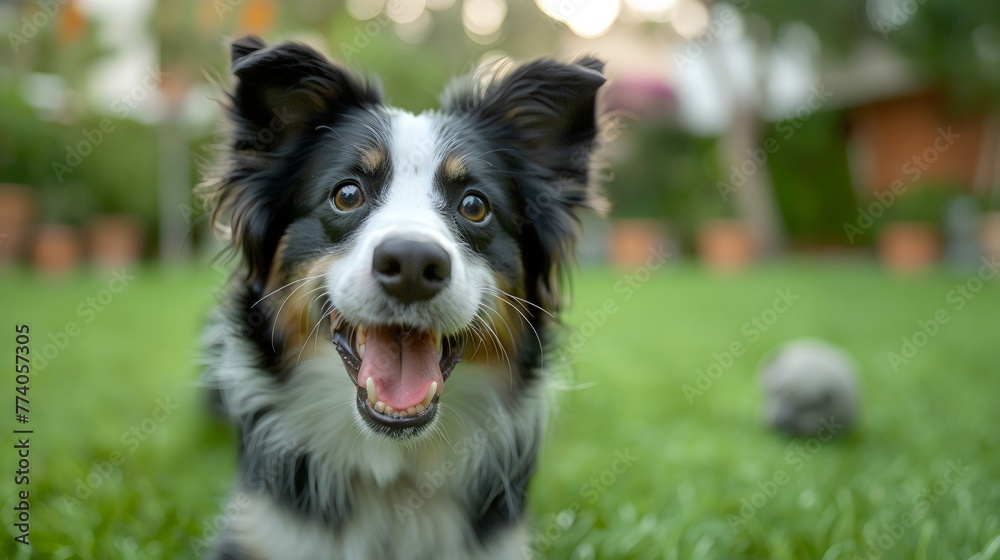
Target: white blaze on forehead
{"points": [[411, 205], [415, 156]]}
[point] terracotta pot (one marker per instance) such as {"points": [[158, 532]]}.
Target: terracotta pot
{"points": [[114, 241], [631, 242], [726, 245], [989, 234], [909, 246], [18, 207], [56, 249]]}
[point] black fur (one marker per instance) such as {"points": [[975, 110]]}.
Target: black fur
{"points": [[547, 110], [283, 94], [300, 124]]}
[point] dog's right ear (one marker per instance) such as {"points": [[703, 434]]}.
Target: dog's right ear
{"points": [[284, 93], [285, 90], [244, 46]]}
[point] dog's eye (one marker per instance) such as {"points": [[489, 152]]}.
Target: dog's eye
{"points": [[347, 197], [474, 208]]}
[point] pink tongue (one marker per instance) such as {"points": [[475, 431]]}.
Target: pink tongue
{"points": [[403, 364]]}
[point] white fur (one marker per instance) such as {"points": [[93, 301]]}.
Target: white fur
{"points": [[411, 208], [438, 534], [315, 409], [471, 440]]}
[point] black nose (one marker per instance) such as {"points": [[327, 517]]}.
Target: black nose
{"points": [[411, 270]]}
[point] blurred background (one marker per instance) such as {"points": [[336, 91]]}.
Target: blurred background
{"points": [[777, 169], [755, 129]]}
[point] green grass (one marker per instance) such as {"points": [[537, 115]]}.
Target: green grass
{"points": [[695, 464]]}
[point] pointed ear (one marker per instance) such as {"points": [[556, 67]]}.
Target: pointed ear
{"points": [[284, 91], [546, 107], [244, 46], [543, 115]]}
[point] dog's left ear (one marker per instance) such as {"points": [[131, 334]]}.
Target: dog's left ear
{"points": [[546, 107], [544, 112]]}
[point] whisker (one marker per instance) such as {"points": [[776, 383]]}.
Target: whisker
{"points": [[492, 338], [278, 314], [510, 367], [499, 343], [523, 301], [306, 341], [307, 278], [541, 346]]}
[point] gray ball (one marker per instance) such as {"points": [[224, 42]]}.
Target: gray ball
{"points": [[810, 389]]}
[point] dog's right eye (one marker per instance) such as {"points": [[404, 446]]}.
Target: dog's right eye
{"points": [[347, 196]]}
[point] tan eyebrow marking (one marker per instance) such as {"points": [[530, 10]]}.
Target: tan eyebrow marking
{"points": [[373, 158], [454, 168]]}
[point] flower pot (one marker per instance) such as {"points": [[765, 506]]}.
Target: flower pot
{"points": [[726, 245], [114, 241], [909, 246], [18, 207], [631, 242], [56, 249]]}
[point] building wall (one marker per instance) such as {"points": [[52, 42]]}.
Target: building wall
{"points": [[895, 140]]}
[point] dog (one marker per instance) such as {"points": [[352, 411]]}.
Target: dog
{"points": [[381, 347]]}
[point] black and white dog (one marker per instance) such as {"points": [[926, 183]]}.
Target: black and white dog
{"points": [[381, 348]]}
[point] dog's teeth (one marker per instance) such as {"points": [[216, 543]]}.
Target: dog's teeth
{"points": [[430, 394], [372, 395], [361, 351], [411, 411], [379, 406], [361, 336], [388, 410], [420, 408]]}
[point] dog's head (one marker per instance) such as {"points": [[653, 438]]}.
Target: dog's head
{"points": [[417, 241]]}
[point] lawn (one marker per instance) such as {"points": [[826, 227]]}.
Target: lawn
{"points": [[648, 456]]}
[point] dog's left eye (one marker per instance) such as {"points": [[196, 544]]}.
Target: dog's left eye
{"points": [[474, 208], [347, 197]]}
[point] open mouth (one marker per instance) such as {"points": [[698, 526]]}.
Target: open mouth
{"points": [[399, 371]]}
